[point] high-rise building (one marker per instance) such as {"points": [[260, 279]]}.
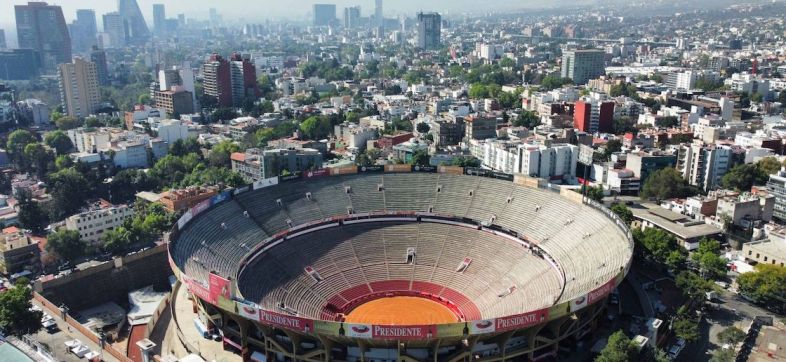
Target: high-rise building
{"points": [[777, 186], [3, 44], [593, 115], [324, 14], [79, 87], [19, 64], [378, 17], [429, 30], [231, 81], [244, 79], [134, 23], [217, 80], [215, 18], [114, 30], [583, 65], [98, 56], [704, 165], [159, 19], [351, 17], [84, 30], [42, 27]]}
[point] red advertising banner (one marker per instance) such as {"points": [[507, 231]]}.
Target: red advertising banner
{"points": [[198, 208], [199, 291], [521, 320], [602, 291], [219, 287], [316, 173], [286, 321], [403, 332]]}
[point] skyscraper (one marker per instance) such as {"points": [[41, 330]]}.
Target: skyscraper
{"points": [[79, 87], [98, 56], [136, 29], [378, 17], [3, 44], [217, 80], [429, 30], [351, 17], [583, 65], [324, 14], [159, 18], [84, 30], [244, 79], [115, 31], [42, 27]]}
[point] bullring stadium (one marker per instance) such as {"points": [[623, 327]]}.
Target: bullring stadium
{"points": [[400, 263]]}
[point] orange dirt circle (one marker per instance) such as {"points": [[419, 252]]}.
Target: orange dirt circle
{"points": [[401, 311]]}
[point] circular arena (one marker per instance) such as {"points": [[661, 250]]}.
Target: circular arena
{"points": [[400, 263]]}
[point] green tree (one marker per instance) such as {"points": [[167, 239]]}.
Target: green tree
{"points": [[612, 146], [68, 191], [685, 326], [315, 127], [667, 122], [39, 157], [527, 119], [707, 256], [118, 240], [67, 122], [221, 152], [420, 158], [93, 122], [769, 165], [31, 215], [619, 348], [423, 127], [595, 193], [465, 161], [66, 244], [16, 316], [765, 284], [731, 335], [183, 147], [723, 355], [16, 143], [665, 184], [623, 212], [58, 141], [692, 285], [741, 177], [224, 114]]}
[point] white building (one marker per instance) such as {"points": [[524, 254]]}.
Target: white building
{"points": [[354, 136], [92, 224], [704, 166], [171, 130], [532, 159]]}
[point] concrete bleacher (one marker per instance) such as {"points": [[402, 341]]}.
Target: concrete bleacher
{"points": [[380, 266], [586, 245]]}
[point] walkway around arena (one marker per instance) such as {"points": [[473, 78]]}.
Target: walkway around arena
{"points": [[209, 349]]}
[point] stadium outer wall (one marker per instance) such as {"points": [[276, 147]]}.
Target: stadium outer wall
{"points": [[257, 333]]}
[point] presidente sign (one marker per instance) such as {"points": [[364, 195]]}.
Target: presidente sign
{"points": [[602, 291], [403, 332], [521, 320], [286, 321]]}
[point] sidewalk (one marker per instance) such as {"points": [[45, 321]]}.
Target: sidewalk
{"points": [[209, 349]]}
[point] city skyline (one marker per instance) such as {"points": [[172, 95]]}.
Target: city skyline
{"points": [[297, 9]]}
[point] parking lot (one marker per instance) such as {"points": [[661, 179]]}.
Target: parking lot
{"points": [[55, 341]]}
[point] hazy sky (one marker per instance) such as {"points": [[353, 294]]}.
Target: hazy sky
{"points": [[264, 9]]}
